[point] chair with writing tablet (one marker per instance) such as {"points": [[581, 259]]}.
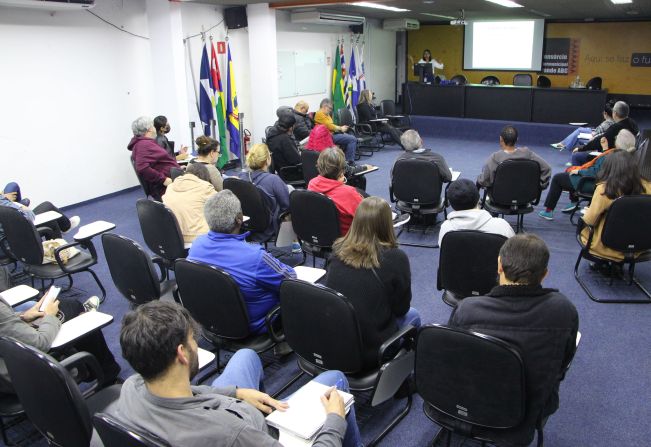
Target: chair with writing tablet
{"points": [[116, 434], [362, 131], [401, 122], [322, 328]]}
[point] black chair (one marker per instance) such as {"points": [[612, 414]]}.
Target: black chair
{"points": [[52, 400], [543, 82], [132, 271], [515, 190], [583, 193], [315, 220], [255, 206], [401, 122], [490, 80], [465, 394], [363, 132], [523, 79], [644, 159], [626, 229], [161, 231], [459, 79], [415, 188], [467, 264], [145, 187], [10, 408], [323, 330], [115, 434], [213, 298], [594, 83], [292, 175], [308, 160], [25, 245], [372, 128]]}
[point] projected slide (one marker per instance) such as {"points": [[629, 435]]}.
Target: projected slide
{"points": [[504, 45]]}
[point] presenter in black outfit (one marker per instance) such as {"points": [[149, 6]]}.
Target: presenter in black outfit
{"points": [[366, 112]]}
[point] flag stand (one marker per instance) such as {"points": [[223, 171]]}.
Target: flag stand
{"points": [[242, 146], [192, 136]]}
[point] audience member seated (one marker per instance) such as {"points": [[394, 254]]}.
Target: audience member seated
{"points": [[257, 272], [331, 166], [186, 197], [304, 122], [158, 339], [572, 139], [619, 176], [413, 145], [622, 121], [463, 197], [369, 269], [12, 192], [207, 154], [541, 322], [276, 192], [39, 329], [569, 180], [162, 126], [284, 150], [366, 112], [153, 163], [508, 138], [347, 142]]}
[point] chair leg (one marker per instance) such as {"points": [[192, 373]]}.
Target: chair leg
{"points": [[99, 283], [598, 300], [439, 437], [394, 422]]}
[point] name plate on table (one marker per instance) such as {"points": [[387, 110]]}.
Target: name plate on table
{"points": [[79, 326], [309, 274]]}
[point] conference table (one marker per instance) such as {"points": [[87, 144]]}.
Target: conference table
{"points": [[505, 102]]}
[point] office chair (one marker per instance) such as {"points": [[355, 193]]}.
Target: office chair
{"points": [[583, 192], [644, 159], [363, 132], [322, 328], [490, 80], [515, 190], [626, 229], [10, 408], [543, 82], [52, 400], [115, 434], [459, 79], [467, 264], [308, 160], [523, 79], [143, 184], [401, 122], [133, 273], [594, 83], [254, 205]]}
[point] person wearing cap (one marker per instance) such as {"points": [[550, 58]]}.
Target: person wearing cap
{"points": [[280, 139], [463, 197]]}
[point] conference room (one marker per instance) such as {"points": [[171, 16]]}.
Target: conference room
{"points": [[459, 83]]}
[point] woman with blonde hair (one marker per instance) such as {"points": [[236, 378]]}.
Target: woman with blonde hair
{"points": [[366, 112], [208, 154], [369, 269]]}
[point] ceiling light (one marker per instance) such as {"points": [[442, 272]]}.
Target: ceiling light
{"points": [[438, 15], [379, 6], [621, 2], [507, 3]]}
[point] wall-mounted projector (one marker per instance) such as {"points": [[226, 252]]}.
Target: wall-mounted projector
{"points": [[458, 22]]}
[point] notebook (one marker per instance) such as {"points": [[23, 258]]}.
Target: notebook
{"points": [[305, 416]]}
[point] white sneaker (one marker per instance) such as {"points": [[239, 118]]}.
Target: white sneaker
{"points": [[91, 304], [74, 223]]}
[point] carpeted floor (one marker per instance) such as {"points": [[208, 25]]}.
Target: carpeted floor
{"points": [[605, 396]]}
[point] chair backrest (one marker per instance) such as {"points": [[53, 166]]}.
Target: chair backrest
{"points": [[50, 397], [131, 269], [115, 434], [468, 262], [594, 83], [143, 184], [315, 218], [485, 386], [522, 79], [627, 224], [586, 186], [21, 235], [543, 81], [320, 325], [490, 80], [417, 182], [213, 298], [644, 159], [308, 161], [253, 202], [459, 79], [388, 107], [345, 118], [517, 182], [160, 229]]}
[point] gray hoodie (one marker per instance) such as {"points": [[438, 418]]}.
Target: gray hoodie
{"points": [[475, 219]]}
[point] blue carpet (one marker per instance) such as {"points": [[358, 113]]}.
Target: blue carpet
{"points": [[605, 396]]}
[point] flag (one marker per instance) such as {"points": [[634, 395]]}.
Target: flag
{"points": [[338, 101], [344, 76], [361, 78], [220, 106], [352, 83], [232, 111], [205, 93]]}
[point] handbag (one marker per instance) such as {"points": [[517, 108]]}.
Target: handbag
{"points": [[51, 245]]}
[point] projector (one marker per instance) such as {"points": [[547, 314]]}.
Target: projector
{"points": [[458, 22]]}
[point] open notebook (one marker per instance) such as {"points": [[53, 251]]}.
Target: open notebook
{"points": [[305, 416]]}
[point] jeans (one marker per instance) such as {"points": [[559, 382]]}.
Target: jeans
{"points": [[560, 182], [244, 370], [348, 143], [580, 158], [572, 139], [411, 317]]}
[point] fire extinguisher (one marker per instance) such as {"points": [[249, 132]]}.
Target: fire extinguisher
{"points": [[246, 140]]}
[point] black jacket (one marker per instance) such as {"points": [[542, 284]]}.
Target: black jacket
{"points": [[163, 142], [611, 134], [303, 126], [283, 148], [366, 112], [376, 305], [542, 324]]}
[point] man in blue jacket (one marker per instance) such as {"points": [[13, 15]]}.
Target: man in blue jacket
{"points": [[257, 272]]}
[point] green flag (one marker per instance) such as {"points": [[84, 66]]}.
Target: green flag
{"points": [[338, 101]]}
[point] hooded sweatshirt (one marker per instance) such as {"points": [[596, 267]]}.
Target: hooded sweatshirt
{"points": [[153, 163], [346, 199], [475, 219], [320, 139], [186, 197]]}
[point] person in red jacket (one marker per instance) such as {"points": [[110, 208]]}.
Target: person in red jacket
{"points": [[153, 164], [330, 181]]}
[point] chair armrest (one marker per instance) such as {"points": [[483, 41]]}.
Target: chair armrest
{"points": [[364, 128], [268, 321], [406, 333], [87, 244], [87, 360], [45, 232], [161, 266]]}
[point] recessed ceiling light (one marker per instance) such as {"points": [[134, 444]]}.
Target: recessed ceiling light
{"points": [[428, 2], [621, 2], [507, 3], [378, 6]]}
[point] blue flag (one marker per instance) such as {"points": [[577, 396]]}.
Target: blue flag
{"points": [[352, 81], [232, 111], [206, 93]]}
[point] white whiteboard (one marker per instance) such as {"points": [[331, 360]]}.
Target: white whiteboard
{"points": [[301, 73]]}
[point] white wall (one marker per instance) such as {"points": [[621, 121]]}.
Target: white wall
{"points": [[71, 85]]}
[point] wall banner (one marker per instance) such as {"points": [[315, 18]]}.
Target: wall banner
{"points": [[641, 60]]}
